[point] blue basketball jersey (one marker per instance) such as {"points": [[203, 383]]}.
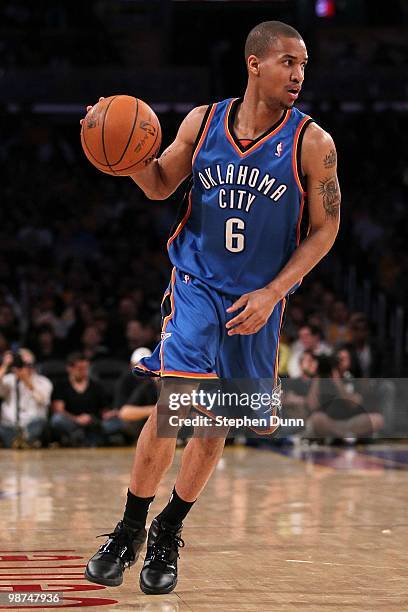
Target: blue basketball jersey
{"points": [[241, 221]]}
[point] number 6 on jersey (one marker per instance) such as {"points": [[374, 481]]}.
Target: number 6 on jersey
{"points": [[234, 242]]}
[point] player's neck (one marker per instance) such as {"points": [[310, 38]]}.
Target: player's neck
{"points": [[254, 117]]}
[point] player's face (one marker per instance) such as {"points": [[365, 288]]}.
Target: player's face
{"points": [[282, 72]]}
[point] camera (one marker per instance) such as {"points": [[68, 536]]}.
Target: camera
{"points": [[17, 361]]}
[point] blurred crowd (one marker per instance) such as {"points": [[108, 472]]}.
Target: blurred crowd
{"points": [[64, 40]]}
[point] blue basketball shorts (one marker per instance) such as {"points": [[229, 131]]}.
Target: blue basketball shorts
{"points": [[195, 343]]}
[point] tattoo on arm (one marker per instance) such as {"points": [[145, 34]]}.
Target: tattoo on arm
{"points": [[329, 190], [166, 152], [330, 159]]}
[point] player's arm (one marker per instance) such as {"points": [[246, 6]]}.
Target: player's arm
{"points": [[162, 176], [319, 165]]}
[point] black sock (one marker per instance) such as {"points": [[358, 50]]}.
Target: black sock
{"points": [[136, 510], [176, 510]]}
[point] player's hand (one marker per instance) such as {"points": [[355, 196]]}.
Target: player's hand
{"points": [[258, 306], [88, 108]]}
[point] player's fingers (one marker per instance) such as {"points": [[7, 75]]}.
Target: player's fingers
{"points": [[81, 121], [239, 303], [253, 325], [246, 327], [88, 108], [238, 319], [249, 331]]}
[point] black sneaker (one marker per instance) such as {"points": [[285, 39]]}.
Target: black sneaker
{"points": [[159, 572], [121, 550]]}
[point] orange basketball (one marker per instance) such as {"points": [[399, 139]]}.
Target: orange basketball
{"points": [[120, 134]]}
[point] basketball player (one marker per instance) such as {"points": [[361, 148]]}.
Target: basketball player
{"points": [[236, 256]]}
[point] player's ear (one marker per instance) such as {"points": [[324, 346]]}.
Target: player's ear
{"points": [[253, 65]]}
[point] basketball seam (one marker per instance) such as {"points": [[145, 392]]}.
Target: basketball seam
{"points": [[130, 135], [144, 157], [90, 152], [103, 135]]}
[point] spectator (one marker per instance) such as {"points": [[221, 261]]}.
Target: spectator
{"points": [[284, 354], [8, 323], [139, 405], [310, 338], [128, 383], [296, 396], [125, 312], [92, 347], [337, 403], [137, 334], [78, 404], [47, 347], [295, 320], [26, 397], [337, 331], [101, 322], [125, 423], [364, 353], [4, 346]]}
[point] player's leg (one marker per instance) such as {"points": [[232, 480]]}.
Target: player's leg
{"points": [[188, 349], [153, 457], [199, 459]]}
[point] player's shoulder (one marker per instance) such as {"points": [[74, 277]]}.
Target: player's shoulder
{"points": [[317, 145], [191, 124], [315, 137], [198, 112], [195, 120]]}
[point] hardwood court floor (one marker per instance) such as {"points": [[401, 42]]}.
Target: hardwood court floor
{"points": [[316, 531]]}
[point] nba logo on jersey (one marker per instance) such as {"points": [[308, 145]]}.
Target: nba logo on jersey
{"points": [[186, 279], [279, 149]]}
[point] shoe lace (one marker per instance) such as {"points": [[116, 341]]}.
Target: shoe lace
{"points": [[118, 542], [167, 542]]}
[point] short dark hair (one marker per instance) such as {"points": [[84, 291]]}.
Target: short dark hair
{"points": [[310, 353], [73, 358], [263, 35], [325, 365], [315, 330]]}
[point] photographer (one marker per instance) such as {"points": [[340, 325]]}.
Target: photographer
{"points": [[337, 401], [26, 396]]}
